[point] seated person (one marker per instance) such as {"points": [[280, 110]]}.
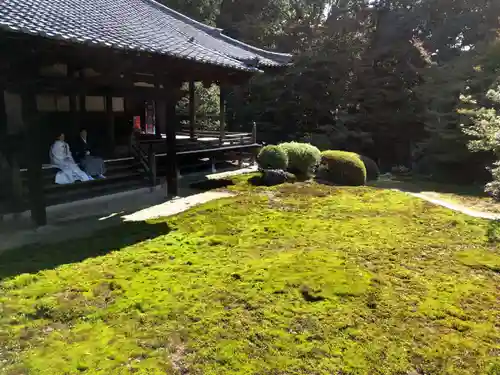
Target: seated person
{"points": [[60, 157], [93, 165]]}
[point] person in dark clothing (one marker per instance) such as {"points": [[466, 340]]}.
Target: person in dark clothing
{"points": [[91, 164]]}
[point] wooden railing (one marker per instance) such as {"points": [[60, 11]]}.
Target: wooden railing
{"points": [[146, 158], [229, 138]]}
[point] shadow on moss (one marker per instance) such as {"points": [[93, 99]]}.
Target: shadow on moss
{"points": [[32, 259]]}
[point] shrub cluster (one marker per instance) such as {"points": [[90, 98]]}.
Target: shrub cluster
{"points": [[272, 157], [372, 170], [303, 158], [343, 168]]}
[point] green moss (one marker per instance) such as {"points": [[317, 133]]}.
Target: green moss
{"points": [[486, 259], [294, 279]]}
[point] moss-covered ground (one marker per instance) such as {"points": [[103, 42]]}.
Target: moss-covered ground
{"points": [[296, 279]]}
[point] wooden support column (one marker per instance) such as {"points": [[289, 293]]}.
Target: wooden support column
{"points": [[254, 141], [73, 106], [9, 148], [73, 114], [172, 123], [32, 129], [3, 114], [110, 117], [167, 119], [4, 169], [222, 113], [159, 107], [82, 103], [192, 110]]}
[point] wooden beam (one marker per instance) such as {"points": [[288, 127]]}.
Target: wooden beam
{"points": [[110, 61], [192, 109], [32, 128]]}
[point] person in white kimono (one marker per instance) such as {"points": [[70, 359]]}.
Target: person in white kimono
{"points": [[60, 157]]}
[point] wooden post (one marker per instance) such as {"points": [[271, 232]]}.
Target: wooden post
{"points": [[240, 154], [159, 108], [16, 185], [73, 113], [172, 120], [110, 116], [192, 110], [32, 128], [222, 113], [82, 98], [10, 146], [254, 141], [167, 119], [152, 166], [3, 151]]}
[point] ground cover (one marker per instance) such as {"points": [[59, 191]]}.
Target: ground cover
{"points": [[295, 279]]}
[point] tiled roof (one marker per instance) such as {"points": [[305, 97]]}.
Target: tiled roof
{"points": [[140, 25]]}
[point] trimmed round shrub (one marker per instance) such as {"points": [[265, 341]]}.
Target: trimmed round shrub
{"points": [[372, 171], [272, 157], [303, 158], [342, 168]]}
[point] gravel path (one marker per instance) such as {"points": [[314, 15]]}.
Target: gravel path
{"points": [[457, 207], [176, 206]]}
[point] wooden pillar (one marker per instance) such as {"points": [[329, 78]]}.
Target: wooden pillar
{"points": [[167, 119], [222, 113], [3, 114], [159, 108], [110, 119], [172, 122], [73, 114], [32, 129], [73, 106], [9, 149], [192, 110], [4, 168], [82, 104], [254, 141]]}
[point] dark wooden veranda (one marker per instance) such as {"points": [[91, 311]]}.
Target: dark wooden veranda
{"points": [[146, 54]]}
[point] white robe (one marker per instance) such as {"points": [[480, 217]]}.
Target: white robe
{"points": [[60, 157]]}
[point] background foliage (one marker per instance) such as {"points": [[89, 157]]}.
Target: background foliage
{"points": [[378, 77]]}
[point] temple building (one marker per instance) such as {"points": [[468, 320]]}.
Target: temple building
{"points": [[117, 68]]}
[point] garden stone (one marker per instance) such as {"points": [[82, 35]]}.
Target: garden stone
{"points": [[271, 177]]}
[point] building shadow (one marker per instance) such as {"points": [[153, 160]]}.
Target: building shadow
{"points": [[35, 258]]}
